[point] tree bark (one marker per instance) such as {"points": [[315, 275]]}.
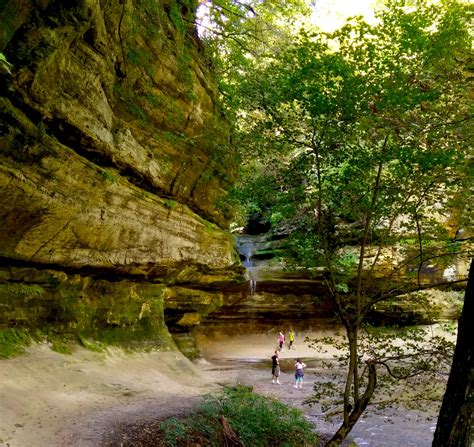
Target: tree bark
{"points": [[455, 427], [358, 410]]}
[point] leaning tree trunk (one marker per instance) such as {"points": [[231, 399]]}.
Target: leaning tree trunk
{"points": [[455, 427], [353, 413], [359, 408]]}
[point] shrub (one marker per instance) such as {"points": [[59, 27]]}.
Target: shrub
{"points": [[258, 421]]}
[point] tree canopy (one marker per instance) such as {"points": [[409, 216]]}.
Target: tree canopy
{"points": [[359, 140]]}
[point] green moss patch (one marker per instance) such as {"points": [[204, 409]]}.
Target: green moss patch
{"points": [[81, 311]]}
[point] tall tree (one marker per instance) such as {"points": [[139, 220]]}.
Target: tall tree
{"points": [[455, 427], [237, 33], [364, 142]]}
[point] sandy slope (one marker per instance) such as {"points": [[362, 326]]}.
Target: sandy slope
{"points": [[50, 399], [86, 399]]}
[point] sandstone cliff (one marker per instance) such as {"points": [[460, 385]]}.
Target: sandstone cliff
{"points": [[114, 166]]}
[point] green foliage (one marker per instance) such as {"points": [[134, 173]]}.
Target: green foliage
{"points": [[354, 140], [153, 100], [91, 345], [132, 103], [259, 421], [175, 431], [176, 17], [137, 111], [63, 344], [414, 359], [145, 20], [141, 58], [26, 290], [170, 204], [5, 66], [13, 341], [242, 33], [107, 175], [152, 20], [363, 145], [209, 227]]}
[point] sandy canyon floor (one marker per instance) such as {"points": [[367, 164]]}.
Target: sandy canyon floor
{"points": [[86, 399]]}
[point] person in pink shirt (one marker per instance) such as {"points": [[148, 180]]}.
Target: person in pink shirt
{"points": [[281, 340]]}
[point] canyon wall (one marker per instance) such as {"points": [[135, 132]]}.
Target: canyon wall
{"points": [[115, 163]]}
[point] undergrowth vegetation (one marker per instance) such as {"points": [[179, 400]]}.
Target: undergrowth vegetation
{"points": [[237, 416], [13, 342]]}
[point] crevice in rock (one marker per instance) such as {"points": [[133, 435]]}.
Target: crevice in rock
{"points": [[33, 115], [84, 146], [151, 273], [196, 183], [111, 274], [74, 138]]}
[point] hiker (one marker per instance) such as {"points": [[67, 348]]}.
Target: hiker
{"points": [[275, 368], [291, 338], [281, 340], [299, 374]]}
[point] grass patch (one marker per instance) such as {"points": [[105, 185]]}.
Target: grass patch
{"points": [[91, 345], [170, 204], [13, 342], [257, 420], [107, 175], [62, 345]]}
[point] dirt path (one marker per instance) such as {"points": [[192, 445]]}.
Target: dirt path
{"points": [[394, 427], [246, 359], [49, 399]]}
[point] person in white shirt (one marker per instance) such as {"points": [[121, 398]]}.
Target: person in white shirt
{"points": [[299, 373]]}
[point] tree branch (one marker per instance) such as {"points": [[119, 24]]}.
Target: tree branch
{"points": [[397, 292]]}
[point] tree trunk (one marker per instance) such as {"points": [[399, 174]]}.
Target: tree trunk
{"points": [[352, 339], [455, 427], [358, 410]]}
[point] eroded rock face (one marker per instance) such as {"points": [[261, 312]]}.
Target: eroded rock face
{"points": [[67, 211], [123, 85], [114, 158], [116, 312], [281, 297]]}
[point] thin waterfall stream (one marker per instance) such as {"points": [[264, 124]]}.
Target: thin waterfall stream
{"points": [[247, 246]]}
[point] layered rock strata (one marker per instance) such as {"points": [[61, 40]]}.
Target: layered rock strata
{"points": [[114, 166], [278, 297]]}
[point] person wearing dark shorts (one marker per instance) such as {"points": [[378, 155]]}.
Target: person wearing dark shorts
{"points": [[275, 369]]}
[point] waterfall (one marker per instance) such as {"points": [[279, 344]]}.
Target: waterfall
{"points": [[246, 248]]}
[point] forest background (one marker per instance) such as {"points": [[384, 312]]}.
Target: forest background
{"points": [[354, 141]]}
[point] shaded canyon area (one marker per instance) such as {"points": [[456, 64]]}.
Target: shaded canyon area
{"points": [[115, 167]]}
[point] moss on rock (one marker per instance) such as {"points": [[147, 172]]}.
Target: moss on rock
{"points": [[121, 313]]}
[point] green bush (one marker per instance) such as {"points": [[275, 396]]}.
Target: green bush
{"points": [[259, 422]]}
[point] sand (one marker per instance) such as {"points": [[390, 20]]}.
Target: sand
{"points": [[51, 399], [238, 359], [86, 399]]}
